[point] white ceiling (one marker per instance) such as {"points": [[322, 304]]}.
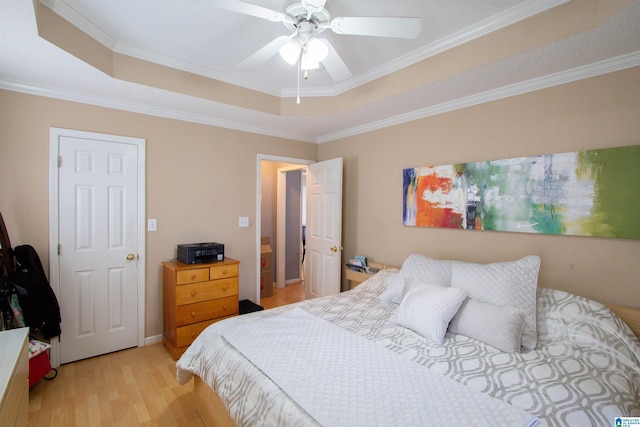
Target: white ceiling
{"points": [[197, 37]]}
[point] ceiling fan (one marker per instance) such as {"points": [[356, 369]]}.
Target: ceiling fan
{"points": [[306, 20]]}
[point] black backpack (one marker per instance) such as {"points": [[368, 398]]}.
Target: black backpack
{"points": [[43, 311]]}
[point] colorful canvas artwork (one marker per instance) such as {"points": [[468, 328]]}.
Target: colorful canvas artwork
{"points": [[584, 193]]}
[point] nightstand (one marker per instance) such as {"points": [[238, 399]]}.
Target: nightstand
{"points": [[356, 277]]}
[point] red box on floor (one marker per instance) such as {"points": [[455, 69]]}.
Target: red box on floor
{"points": [[39, 366]]}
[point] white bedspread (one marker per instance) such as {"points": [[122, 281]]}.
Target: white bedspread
{"points": [[342, 379], [585, 370]]}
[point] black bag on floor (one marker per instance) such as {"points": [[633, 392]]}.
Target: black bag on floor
{"points": [[43, 313]]}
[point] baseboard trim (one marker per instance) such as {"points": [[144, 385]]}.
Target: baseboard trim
{"points": [[155, 339]]}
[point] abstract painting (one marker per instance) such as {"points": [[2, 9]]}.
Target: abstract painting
{"points": [[583, 193]]}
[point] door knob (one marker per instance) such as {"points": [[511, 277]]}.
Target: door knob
{"points": [[336, 248], [130, 257]]}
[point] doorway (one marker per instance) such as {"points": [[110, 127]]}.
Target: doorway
{"points": [[323, 227], [266, 211]]}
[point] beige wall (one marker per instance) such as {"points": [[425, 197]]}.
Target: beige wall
{"points": [[199, 180], [595, 113]]}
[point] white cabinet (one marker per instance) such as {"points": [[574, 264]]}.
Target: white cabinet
{"points": [[14, 377]]}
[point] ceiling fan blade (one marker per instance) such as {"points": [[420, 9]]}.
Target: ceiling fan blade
{"points": [[249, 9], [402, 28], [314, 5], [334, 65], [264, 54]]}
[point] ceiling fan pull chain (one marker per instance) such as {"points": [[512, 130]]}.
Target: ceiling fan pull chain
{"points": [[298, 73]]}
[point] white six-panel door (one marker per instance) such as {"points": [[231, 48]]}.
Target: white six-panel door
{"points": [[324, 228], [98, 246]]}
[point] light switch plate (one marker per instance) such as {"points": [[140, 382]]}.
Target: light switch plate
{"points": [[243, 221], [152, 224]]}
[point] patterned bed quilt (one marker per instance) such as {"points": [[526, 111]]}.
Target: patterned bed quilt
{"points": [[585, 370]]}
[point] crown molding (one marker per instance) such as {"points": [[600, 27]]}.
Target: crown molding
{"points": [[65, 11], [579, 73], [508, 17], [147, 109]]}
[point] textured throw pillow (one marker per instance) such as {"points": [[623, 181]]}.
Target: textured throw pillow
{"points": [[505, 284], [394, 290], [427, 309], [428, 270], [416, 266], [500, 327]]}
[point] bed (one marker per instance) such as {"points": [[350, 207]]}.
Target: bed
{"points": [[479, 360]]}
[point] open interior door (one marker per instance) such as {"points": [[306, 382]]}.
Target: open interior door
{"points": [[324, 229]]}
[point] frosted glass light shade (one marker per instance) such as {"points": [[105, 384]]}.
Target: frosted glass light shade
{"points": [[290, 51], [316, 50]]}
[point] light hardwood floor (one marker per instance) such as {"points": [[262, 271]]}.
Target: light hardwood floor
{"points": [[284, 296], [127, 388]]}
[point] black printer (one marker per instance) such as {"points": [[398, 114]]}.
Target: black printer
{"points": [[198, 253]]}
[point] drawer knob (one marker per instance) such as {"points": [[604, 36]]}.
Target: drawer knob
{"points": [[224, 288], [193, 277], [224, 307], [193, 293], [194, 334], [224, 272], [193, 314]]}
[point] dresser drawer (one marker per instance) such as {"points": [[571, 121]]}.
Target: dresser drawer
{"points": [[15, 410], [195, 296], [14, 377], [192, 276], [186, 334], [200, 311], [198, 292], [223, 271], [23, 411]]}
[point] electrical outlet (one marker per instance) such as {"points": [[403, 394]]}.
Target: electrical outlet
{"points": [[152, 224]]}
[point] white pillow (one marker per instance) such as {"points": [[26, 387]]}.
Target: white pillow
{"points": [[394, 290], [416, 266], [500, 327], [505, 284], [427, 309], [428, 270]]}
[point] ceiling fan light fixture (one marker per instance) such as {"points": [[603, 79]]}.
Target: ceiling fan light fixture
{"points": [[291, 51], [315, 50], [307, 63]]}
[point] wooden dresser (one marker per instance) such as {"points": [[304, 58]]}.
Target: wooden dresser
{"points": [[196, 296], [14, 377]]}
